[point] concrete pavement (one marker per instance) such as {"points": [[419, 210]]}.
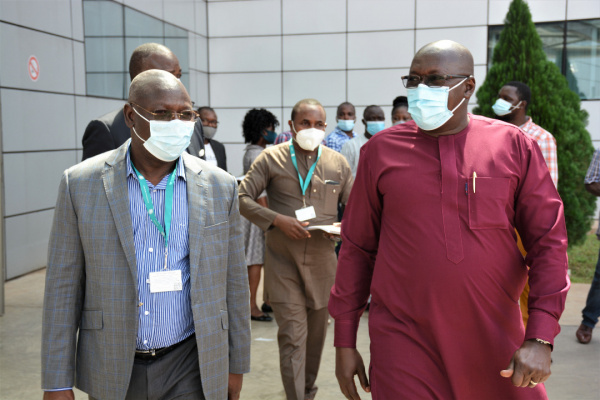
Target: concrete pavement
{"points": [[576, 367]]}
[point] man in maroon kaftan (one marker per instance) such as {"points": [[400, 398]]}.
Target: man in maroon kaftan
{"points": [[429, 231]]}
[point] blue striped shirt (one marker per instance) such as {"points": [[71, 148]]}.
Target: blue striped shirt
{"points": [[164, 318]]}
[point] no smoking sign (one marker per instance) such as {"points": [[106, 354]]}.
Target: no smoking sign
{"points": [[33, 68]]}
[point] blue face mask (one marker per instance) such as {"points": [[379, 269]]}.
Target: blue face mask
{"points": [[270, 136], [346, 124], [428, 106], [168, 139], [375, 126]]}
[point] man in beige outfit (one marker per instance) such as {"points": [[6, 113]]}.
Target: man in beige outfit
{"points": [[304, 181]]}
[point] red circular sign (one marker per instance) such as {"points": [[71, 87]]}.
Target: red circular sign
{"points": [[33, 67]]}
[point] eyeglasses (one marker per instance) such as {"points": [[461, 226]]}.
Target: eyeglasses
{"points": [[168, 115], [433, 80]]}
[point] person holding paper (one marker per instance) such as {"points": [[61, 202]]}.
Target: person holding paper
{"points": [[146, 288], [304, 181]]}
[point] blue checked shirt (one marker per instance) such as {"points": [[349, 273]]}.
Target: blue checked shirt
{"points": [[164, 318], [337, 138]]}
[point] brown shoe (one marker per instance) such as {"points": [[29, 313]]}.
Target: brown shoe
{"points": [[584, 334]]}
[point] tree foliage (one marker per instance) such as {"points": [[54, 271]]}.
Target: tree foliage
{"points": [[519, 56]]}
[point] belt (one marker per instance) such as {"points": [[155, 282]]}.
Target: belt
{"points": [[155, 354]]}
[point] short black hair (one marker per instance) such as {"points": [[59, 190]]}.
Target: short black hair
{"points": [[205, 108], [310, 102], [523, 91], [346, 103], [142, 52], [255, 122], [369, 109], [400, 101]]}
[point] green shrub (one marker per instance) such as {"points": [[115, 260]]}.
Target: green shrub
{"points": [[519, 56]]}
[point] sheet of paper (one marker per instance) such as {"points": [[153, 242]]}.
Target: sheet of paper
{"points": [[336, 230]]}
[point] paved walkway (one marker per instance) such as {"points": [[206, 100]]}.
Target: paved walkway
{"points": [[576, 368]]}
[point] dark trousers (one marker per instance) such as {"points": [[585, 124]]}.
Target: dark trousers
{"points": [[591, 312], [176, 375]]}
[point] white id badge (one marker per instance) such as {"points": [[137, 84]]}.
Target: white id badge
{"points": [[306, 213], [165, 281]]}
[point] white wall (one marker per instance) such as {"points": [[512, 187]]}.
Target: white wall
{"points": [[242, 54], [272, 53]]}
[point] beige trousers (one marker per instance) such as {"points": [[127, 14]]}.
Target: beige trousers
{"points": [[301, 337]]}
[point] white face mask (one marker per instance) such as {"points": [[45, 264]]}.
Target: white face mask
{"points": [[168, 139], [309, 139], [502, 107], [428, 106]]}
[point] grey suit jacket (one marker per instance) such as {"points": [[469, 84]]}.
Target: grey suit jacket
{"points": [[91, 303]]}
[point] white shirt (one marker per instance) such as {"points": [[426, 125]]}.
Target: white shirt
{"points": [[351, 150], [210, 154]]}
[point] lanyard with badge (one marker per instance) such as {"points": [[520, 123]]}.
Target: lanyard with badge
{"points": [[305, 213], [163, 281]]}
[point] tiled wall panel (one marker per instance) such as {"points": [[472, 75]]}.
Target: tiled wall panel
{"points": [[378, 15], [380, 49], [27, 242], [54, 54], [326, 86], [41, 172], [314, 16], [314, 52], [245, 90], [52, 16], [451, 13], [243, 18], [245, 54], [51, 127]]}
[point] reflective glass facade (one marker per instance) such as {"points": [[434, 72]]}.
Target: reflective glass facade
{"points": [[112, 31], [572, 45]]}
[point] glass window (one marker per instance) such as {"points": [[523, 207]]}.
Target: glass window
{"points": [[104, 55], [103, 18], [552, 35], [583, 58], [138, 24], [106, 84], [573, 46], [112, 32]]}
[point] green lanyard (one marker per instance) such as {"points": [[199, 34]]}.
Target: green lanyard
{"points": [[304, 183], [168, 205]]}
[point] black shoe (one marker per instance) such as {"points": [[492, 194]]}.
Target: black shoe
{"points": [[266, 308], [262, 318]]}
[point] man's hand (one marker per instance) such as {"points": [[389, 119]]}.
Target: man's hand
{"points": [[333, 236], [235, 386], [348, 363], [60, 395], [529, 365], [291, 227]]}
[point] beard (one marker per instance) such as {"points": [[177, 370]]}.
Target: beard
{"points": [[506, 118]]}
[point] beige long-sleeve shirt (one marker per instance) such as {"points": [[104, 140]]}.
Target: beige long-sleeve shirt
{"points": [[309, 263]]}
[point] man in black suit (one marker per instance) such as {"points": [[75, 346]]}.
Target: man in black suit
{"points": [[214, 151], [109, 131]]}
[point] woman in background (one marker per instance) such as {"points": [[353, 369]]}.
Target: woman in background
{"points": [[259, 130], [400, 113]]}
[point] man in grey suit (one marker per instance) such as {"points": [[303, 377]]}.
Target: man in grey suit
{"points": [[146, 288], [110, 131]]}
